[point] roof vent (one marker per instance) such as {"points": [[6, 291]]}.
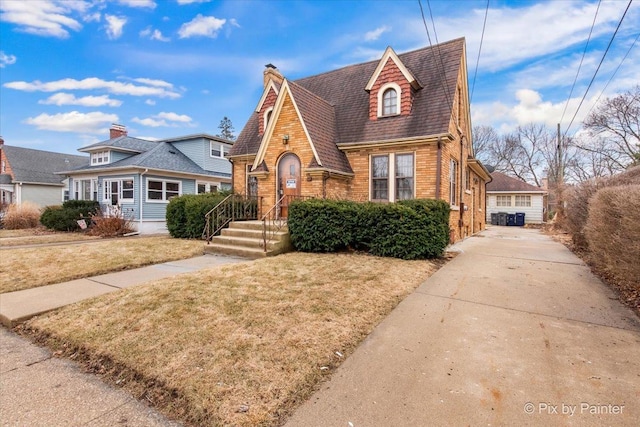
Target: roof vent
{"points": [[172, 152]]}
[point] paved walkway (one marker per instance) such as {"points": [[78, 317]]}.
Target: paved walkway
{"points": [[39, 390], [514, 331]]}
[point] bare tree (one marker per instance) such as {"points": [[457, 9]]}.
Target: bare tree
{"points": [[484, 138], [617, 121]]}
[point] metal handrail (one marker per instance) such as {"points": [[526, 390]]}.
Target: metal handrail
{"points": [[272, 220], [231, 208]]}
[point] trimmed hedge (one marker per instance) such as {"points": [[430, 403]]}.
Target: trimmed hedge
{"points": [[185, 214], [411, 229], [65, 217]]}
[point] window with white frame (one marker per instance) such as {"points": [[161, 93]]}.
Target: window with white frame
{"points": [[162, 190], [523, 200], [85, 189], [267, 117], [453, 182], [380, 178], [392, 177], [217, 149], [206, 187], [503, 201], [117, 191], [252, 183], [100, 157], [389, 102]]}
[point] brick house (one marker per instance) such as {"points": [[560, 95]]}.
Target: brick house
{"points": [[381, 131]]}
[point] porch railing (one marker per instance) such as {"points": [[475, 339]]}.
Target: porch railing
{"points": [[273, 221], [234, 207]]}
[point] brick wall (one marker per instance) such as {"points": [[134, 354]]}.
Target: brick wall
{"points": [[391, 74]]}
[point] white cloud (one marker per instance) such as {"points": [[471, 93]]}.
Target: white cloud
{"points": [[138, 3], [47, 18], [152, 34], [115, 25], [164, 120], [86, 101], [192, 1], [153, 82], [202, 26], [94, 83], [73, 121], [375, 34], [150, 102], [6, 59], [92, 17]]}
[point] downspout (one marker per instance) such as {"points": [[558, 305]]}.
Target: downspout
{"points": [[141, 201], [325, 178], [461, 186], [438, 167]]}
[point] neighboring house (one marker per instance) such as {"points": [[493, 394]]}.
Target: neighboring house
{"points": [[393, 129], [139, 177], [28, 175], [511, 195]]}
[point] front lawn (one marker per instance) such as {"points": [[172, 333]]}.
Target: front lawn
{"points": [[24, 268], [241, 344], [39, 235]]}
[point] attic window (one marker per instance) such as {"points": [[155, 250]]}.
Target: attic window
{"points": [[389, 97], [100, 157], [267, 117], [217, 149]]}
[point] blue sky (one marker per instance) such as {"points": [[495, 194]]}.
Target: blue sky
{"points": [[166, 68]]}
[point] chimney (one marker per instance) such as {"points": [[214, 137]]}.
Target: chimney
{"points": [[272, 73], [117, 130], [1, 141]]}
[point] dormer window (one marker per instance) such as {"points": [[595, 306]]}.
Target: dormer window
{"points": [[217, 149], [389, 98], [389, 102], [100, 158]]}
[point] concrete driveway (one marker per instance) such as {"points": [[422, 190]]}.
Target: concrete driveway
{"points": [[514, 331]]}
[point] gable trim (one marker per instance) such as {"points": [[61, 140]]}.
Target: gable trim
{"points": [[277, 109], [265, 93], [432, 139], [389, 53]]}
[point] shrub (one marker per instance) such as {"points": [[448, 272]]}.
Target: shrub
{"points": [[414, 229], [186, 214], [25, 215], [110, 226], [65, 217], [612, 231]]}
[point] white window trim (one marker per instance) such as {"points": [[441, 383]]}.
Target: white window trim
{"points": [[164, 189], [391, 178], [264, 118], [222, 149], [104, 155], [208, 185], [381, 91], [121, 200], [498, 205], [527, 197], [93, 186]]}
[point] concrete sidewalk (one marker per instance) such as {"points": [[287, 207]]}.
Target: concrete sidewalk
{"points": [[514, 331], [16, 307]]}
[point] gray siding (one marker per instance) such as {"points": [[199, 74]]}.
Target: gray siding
{"points": [[194, 149], [117, 156], [158, 210], [130, 210], [41, 195]]}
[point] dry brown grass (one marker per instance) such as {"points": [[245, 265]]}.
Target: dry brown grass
{"points": [[24, 215], [234, 345], [39, 235], [23, 268]]}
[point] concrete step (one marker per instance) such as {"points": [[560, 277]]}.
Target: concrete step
{"points": [[250, 225], [253, 253], [250, 233], [249, 242]]}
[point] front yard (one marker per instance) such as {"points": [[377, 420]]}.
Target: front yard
{"points": [[241, 344], [24, 268]]}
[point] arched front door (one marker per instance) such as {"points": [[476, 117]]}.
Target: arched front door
{"points": [[288, 181]]}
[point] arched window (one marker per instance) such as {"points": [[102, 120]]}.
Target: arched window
{"points": [[389, 102], [267, 117]]}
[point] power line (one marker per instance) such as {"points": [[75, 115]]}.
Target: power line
{"points": [[581, 59], [475, 73], [598, 69], [613, 75], [443, 77]]}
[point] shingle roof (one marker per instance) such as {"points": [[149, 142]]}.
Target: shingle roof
{"points": [[502, 182], [38, 166], [344, 91], [162, 156], [126, 143]]}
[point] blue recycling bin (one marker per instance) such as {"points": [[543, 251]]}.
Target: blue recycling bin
{"points": [[511, 219], [520, 219]]}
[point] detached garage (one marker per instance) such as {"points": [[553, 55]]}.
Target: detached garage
{"points": [[510, 195]]}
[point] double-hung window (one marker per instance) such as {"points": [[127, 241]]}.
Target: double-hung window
{"points": [[523, 200], [100, 158], [162, 191], [392, 177], [217, 149], [207, 187], [453, 182], [503, 201]]}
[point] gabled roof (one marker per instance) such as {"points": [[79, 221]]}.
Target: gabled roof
{"points": [[271, 86], [38, 166], [162, 156], [436, 68], [122, 143], [504, 183], [390, 54]]}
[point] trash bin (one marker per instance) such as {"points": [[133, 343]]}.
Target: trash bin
{"points": [[511, 219], [502, 218], [520, 219], [494, 218]]}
